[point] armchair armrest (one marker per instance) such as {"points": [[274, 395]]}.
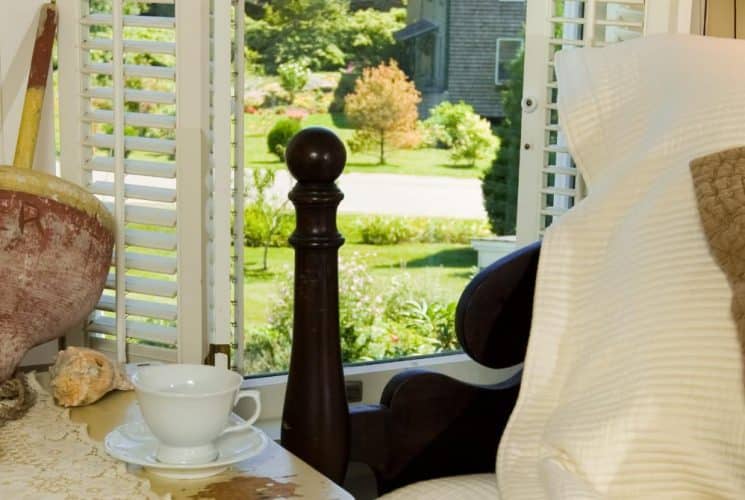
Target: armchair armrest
{"points": [[495, 309], [430, 425]]}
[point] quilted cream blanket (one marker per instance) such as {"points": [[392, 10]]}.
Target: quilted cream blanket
{"points": [[633, 380]]}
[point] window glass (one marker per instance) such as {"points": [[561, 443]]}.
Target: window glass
{"points": [[507, 51], [430, 184], [410, 90]]}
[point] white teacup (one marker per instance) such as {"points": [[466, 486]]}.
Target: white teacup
{"points": [[187, 409]]}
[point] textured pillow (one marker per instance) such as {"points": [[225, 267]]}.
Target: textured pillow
{"points": [[719, 181], [633, 383]]}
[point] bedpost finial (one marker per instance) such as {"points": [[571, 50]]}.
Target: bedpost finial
{"points": [[316, 155]]}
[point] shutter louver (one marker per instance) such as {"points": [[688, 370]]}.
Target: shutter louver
{"points": [[549, 182], [121, 139]]}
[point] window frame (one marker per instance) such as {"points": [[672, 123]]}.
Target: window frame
{"points": [[374, 377]]}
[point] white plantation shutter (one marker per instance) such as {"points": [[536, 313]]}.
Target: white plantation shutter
{"points": [[139, 133], [549, 183], [239, 184], [226, 199]]}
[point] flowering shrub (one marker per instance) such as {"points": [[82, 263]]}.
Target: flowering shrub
{"points": [[298, 114], [400, 320], [293, 76], [457, 127], [381, 230], [391, 230]]}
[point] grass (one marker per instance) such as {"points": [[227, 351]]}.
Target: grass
{"points": [[443, 269], [425, 161]]}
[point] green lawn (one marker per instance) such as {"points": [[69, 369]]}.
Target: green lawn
{"points": [[426, 161], [442, 269]]}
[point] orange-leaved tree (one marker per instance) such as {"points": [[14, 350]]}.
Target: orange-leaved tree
{"points": [[383, 106]]}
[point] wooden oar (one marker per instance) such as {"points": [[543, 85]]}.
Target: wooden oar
{"points": [[37, 83]]}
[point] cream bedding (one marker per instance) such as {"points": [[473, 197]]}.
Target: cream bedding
{"points": [[467, 487], [633, 384]]}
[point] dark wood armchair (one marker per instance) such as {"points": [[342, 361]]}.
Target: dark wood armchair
{"points": [[427, 424], [430, 425]]}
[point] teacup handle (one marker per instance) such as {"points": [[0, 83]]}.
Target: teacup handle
{"points": [[246, 393]]}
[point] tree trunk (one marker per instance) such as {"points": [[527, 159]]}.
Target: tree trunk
{"points": [[381, 160], [266, 253]]}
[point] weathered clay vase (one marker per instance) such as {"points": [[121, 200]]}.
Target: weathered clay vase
{"points": [[55, 238], [55, 251]]}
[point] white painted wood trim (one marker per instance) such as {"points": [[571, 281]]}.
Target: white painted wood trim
{"points": [[119, 188], [375, 376], [192, 150], [71, 107], [533, 120], [668, 16], [222, 189], [239, 189]]}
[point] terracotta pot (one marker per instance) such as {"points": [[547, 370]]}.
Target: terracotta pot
{"points": [[56, 241]]}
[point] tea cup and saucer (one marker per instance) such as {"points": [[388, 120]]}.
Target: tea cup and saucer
{"points": [[189, 430]]}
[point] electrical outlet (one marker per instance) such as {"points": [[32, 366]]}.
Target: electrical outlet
{"points": [[354, 391]]}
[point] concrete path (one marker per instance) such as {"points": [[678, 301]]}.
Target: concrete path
{"points": [[409, 195], [386, 194]]}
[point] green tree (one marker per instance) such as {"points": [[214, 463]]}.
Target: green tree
{"points": [[265, 217], [367, 38], [292, 29], [383, 106], [499, 184], [323, 32]]}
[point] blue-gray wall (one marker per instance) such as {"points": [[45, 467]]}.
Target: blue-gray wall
{"points": [[475, 26]]}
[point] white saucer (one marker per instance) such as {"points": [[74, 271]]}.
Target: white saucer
{"points": [[134, 443]]}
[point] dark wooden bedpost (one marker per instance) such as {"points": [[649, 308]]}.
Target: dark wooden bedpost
{"points": [[315, 420]]}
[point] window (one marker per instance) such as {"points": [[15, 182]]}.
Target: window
{"points": [[507, 50], [177, 283], [412, 205]]}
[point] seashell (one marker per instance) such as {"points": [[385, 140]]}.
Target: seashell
{"points": [[82, 376]]}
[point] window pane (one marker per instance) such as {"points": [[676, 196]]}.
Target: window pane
{"points": [[411, 91], [507, 51]]}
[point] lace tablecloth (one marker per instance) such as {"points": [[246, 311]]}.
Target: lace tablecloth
{"points": [[45, 455]]}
